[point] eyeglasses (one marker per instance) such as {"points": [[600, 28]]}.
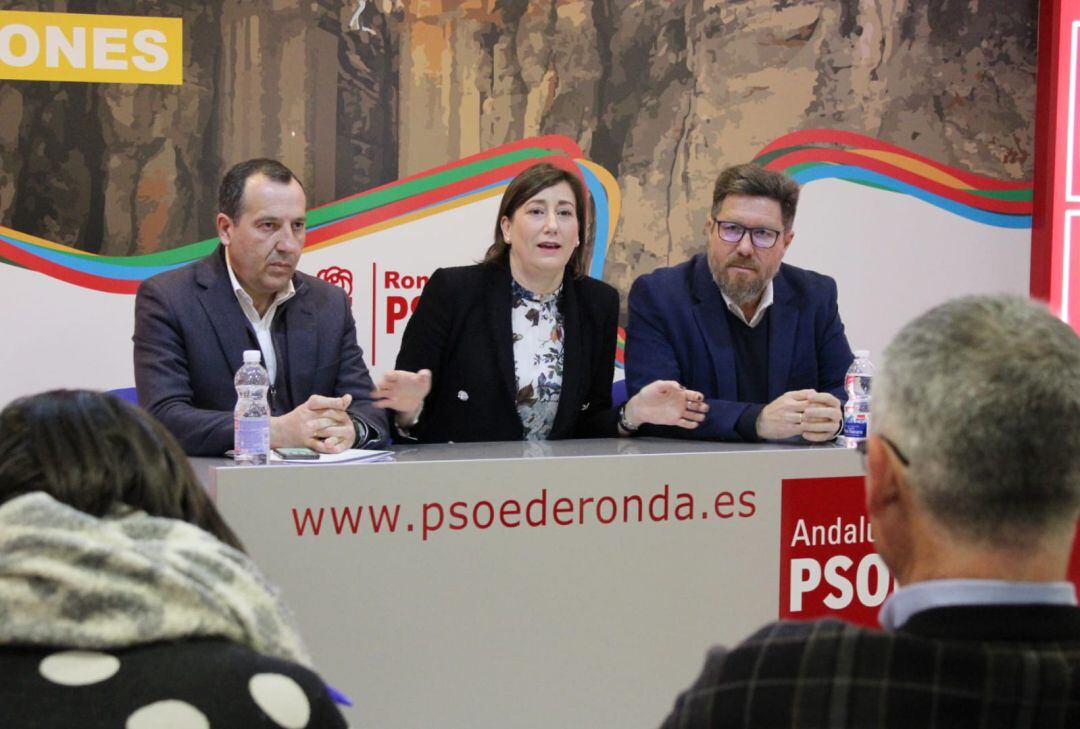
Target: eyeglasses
{"points": [[861, 448], [731, 232]]}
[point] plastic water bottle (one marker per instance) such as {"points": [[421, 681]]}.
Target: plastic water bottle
{"points": [[251, 418], [857, 408]]}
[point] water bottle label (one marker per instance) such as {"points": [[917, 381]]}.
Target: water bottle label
{"points": [[856, 427], [252, 436]]}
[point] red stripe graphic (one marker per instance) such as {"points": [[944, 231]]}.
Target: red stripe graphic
{"points": [[804, 156], [417, 202], [54, 270], [836, 136], [553, 142]]}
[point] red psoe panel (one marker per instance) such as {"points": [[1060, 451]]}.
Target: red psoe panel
{"points": [[1055, 230]]}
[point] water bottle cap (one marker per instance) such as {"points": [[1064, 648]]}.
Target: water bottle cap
{"points": [[862, 354], [252, 356]]}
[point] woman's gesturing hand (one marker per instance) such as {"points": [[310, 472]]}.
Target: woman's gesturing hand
{"points": [[404, 392]]}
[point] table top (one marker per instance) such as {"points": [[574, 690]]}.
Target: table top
{"points": [[576, 448]]}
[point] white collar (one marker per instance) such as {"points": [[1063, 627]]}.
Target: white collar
{"points": [[243, 296], [763, 305]]}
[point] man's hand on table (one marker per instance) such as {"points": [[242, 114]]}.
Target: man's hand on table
{"points": [[816, 416], [321, 424]]}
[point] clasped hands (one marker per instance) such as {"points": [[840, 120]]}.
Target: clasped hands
{"points": [[321, 424], [814, 415]]}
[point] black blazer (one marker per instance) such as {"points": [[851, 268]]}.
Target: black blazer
{"points": [[462, 332], [992, 667]]}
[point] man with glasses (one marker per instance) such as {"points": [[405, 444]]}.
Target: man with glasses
{"points": [[763, 340], [973, 493]]}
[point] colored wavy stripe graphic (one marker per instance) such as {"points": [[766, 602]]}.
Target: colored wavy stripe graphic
{"points": [[806, 155], [620, 348], [816, 154], [442, 188]]}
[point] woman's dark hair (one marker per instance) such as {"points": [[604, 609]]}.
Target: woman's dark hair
{"points": [[521, 189], [91, 450]]}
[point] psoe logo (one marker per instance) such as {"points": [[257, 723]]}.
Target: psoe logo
{"points": [[98, 48], [828, 566]]}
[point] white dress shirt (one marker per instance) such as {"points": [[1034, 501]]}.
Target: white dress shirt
{"points": [[262, 323], [765, 303]]}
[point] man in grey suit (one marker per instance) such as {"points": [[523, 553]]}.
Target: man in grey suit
{"points": [[973, 490], [193, 324]]}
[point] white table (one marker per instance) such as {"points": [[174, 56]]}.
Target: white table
{"points": [[573, 623]]}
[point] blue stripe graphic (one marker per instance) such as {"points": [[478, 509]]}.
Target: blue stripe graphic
{"points": [[857, 174]]}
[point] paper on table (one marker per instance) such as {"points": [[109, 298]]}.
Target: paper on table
{"points": [[359, 455]]}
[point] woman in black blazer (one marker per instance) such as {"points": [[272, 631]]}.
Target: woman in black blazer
{"points": [[522, 345]]}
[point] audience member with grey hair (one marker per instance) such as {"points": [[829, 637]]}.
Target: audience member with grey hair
{"points": [[991, 431], [973, 491]]}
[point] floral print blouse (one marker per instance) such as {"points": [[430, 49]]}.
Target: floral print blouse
{"points": [[537, 324]]}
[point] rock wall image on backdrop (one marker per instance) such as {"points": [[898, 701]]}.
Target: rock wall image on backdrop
{"points": [[123, 169], [661, 93]]}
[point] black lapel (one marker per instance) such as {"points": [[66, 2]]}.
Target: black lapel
{"points": [[783, 324], [569, 402], [232, 329], [497, 307], [302, 332], [710, 314]]}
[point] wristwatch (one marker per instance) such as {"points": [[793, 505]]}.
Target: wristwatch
{"points": [[361, 431], [624, 422]]}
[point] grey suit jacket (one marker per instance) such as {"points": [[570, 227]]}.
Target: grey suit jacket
{"points": [[190, 335], [986, 666]]}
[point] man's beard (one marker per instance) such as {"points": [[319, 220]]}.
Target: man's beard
{"points": [[740, 289]]}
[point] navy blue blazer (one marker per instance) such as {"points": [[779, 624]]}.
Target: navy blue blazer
{"points": [[678, 330], [190, 337]]}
